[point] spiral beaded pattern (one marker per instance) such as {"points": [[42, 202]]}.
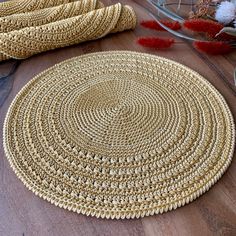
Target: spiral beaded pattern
{"points": [[90, 26], [119, 135], [47, 15]]}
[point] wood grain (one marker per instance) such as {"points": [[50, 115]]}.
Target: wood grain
{"points": [[23, 213]]}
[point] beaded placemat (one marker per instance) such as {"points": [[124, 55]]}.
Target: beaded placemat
{"points": [[119, 135], [47, 15], [95, 24]]}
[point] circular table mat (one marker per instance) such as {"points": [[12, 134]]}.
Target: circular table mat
{"points": [[119, 135]]}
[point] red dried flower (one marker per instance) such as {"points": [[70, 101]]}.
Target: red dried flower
{"points": [[209, 27], [157, 43], [151, 24], [214, 48]]}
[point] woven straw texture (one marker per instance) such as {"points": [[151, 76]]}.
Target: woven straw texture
{"points": [[119, 135], [20, 6], [47, 15], [23, 43]]}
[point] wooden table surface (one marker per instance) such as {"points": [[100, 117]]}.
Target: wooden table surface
{"points": [[23, 213]]}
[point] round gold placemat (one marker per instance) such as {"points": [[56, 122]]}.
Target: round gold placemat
{"points": [[119, 135]]}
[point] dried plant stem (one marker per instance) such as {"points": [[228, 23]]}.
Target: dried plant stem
{"points": [[235, 76], [179, 5]]}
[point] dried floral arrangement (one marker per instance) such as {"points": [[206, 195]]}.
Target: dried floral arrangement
{"points": [[212, 24]]}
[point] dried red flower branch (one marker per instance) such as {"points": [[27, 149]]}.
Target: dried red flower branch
{"points": [[214, 48], [151, 24], [211, 28], [155, 42]]}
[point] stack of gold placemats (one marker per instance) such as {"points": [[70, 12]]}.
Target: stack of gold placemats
{"points": [[29, 27]]}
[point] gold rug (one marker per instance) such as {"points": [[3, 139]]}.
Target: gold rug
{"points": [[119, 135]]}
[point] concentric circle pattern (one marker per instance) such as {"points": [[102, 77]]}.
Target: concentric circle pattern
{"points": [[119, 135]]}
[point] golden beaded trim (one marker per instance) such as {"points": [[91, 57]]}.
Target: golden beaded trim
{"points": [[92, 25], [119, 135]]}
